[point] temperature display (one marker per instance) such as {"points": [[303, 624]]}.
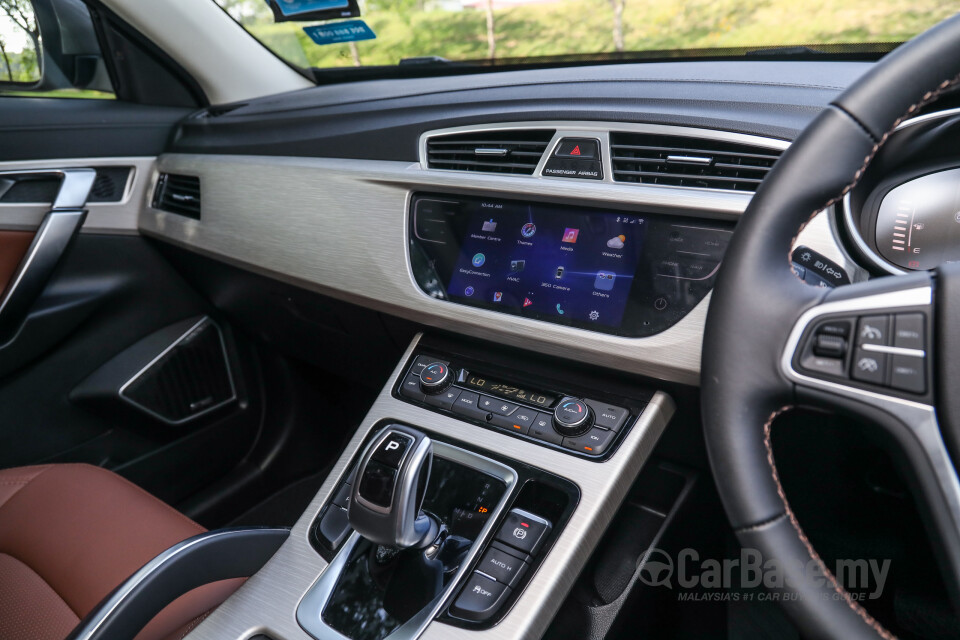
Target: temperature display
{"points": [[512, 392]]}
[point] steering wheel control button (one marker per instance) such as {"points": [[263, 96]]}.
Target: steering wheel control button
{"points": [[502, 567], [435, 377], [873, 330], [542, 429], [524, 531], [906, 374], [828, 346], [499, 407], [572, 417], [827, 349], [445, 399], [582, 148], [606, 415], [376, 484], [467, 404], [869, 366], [480, 599], [391, 449], [908, 331], [519, 422], [593, 442]]}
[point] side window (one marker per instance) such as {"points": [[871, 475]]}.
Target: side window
{"points": [[48, 48]]}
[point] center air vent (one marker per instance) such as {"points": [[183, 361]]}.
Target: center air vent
{"points": [[178, 194], [516, 152], [689, 162]]}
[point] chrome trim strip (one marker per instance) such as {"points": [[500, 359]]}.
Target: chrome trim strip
{"points": [[267, 602], [689, 160], [853, 229], [102, 217], [226, 359], [124, 590], [310, 609], [499, 153], [896, 351], [920, 418]]}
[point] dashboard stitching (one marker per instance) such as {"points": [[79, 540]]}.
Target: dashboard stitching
{"points": [[860, 611]]}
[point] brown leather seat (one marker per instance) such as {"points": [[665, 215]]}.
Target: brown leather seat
{"points": [[70, 534]]}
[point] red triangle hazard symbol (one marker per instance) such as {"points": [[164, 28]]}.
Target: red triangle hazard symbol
{"points": [[576, 151]]}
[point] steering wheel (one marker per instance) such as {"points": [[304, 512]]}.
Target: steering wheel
{"points": [[773, 343]]}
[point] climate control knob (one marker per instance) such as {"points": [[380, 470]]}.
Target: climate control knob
{"points": [[572, 417], [435, 377]]}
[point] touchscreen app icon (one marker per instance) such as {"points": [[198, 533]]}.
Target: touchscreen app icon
{"points": [[497, 296], [468, 291], [489, 225], [605, 280], [616, 242], [559, 273], [516, 266], [527, 302], [570, 235], [479, 259], [528, 230]]}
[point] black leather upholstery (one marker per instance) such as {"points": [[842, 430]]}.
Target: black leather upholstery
{"points": [[757, 300]]}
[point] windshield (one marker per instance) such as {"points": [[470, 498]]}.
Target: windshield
{"points": [[522, 31]]}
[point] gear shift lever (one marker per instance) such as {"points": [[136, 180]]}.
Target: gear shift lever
{"points": [[391, 481]]}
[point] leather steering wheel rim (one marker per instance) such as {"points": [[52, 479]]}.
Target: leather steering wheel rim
{"points": [[757, 302]]}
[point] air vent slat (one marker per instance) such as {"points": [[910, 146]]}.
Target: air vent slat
{"points": [[178, 194], [655, 159], [521, 151], [480, 163]]}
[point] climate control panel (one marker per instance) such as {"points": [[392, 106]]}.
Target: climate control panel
{"points": [[579, 425]]}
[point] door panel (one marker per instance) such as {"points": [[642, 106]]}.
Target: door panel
{"points": [[13, 246]]}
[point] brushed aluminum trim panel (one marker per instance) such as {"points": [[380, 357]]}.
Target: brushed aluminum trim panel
{"points": [[335, 226], [102, 217], [267, 602]]}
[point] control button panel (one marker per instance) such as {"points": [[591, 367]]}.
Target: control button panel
{"points": [[886, 350], [575, 425], [502, 566]]}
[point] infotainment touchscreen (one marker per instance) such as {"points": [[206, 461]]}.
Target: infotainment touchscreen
{"points": [[623, 272], [552, 262]]}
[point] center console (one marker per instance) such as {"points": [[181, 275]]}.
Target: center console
{"points": [[464, 505]]}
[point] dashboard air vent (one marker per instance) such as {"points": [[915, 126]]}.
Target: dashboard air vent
{"points": [[689, 162], [516, 152], [178, 194]]}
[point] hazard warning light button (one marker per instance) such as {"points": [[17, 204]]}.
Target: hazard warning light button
{"points": [[585, 148]]}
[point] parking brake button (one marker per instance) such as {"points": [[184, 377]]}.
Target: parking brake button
{"points": [[524, 531]]}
